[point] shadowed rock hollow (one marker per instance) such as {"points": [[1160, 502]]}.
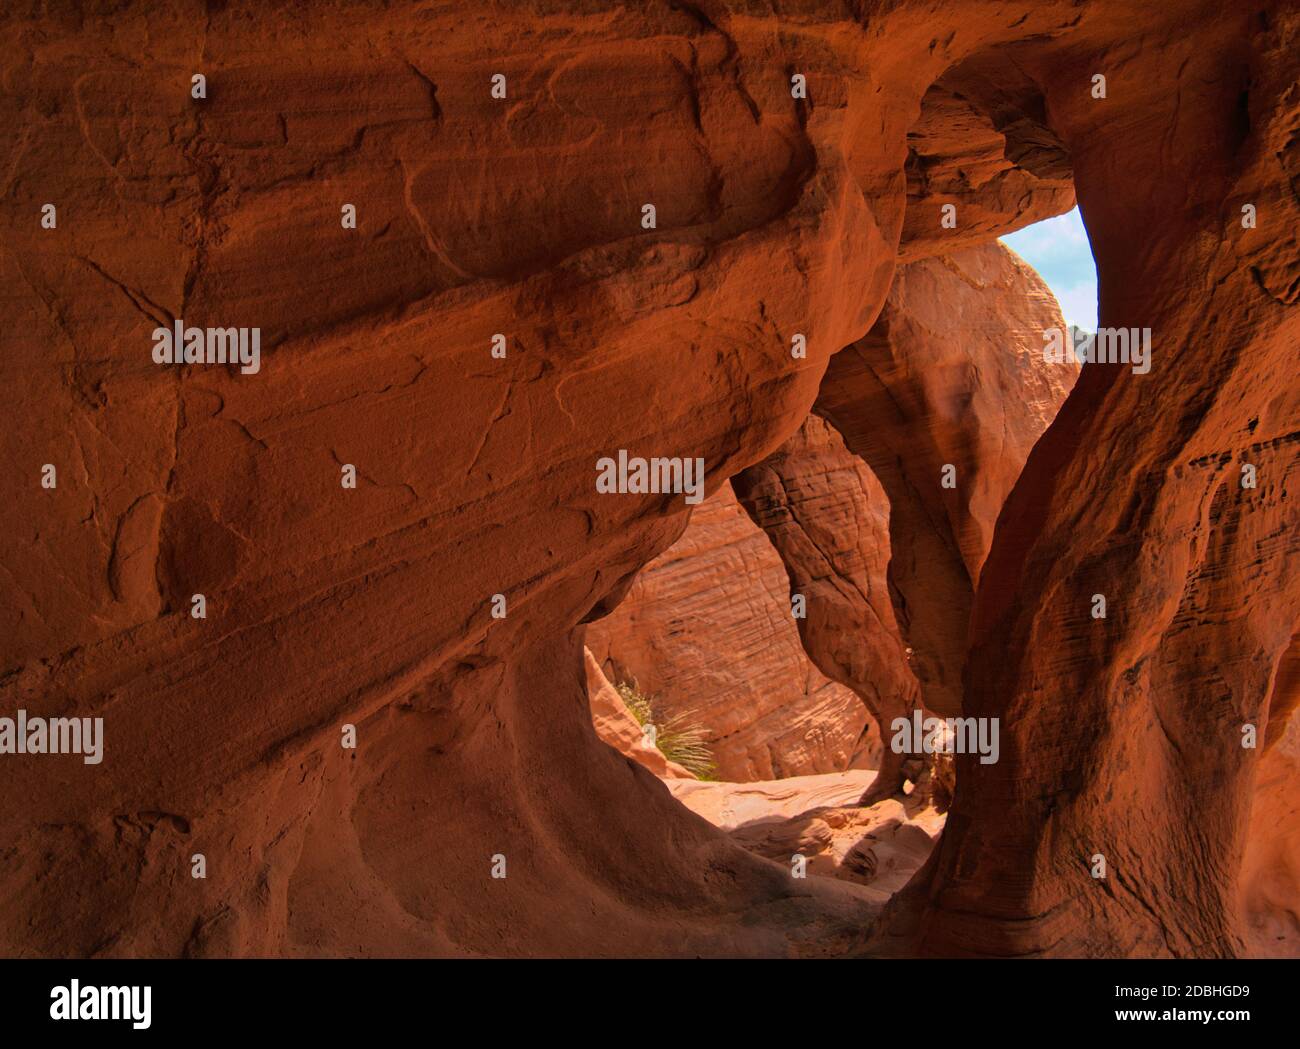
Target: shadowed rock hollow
{"points": [[372, 606]]}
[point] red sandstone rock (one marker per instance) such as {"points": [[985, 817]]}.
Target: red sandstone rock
{"points": [[616, 726], [828, 518], [1270, 868], [330, 606], [1270, 872], [952, 374], [707, 630], [372, 606], [1123, 737], [982, 146], [818, 818]]}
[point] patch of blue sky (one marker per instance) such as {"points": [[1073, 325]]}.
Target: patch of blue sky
{"points": [[1059, 251]]}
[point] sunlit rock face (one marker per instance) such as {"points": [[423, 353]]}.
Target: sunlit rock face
{"points": [[708, 631], [944, 398], [616, 725], [373, 606], [827, 516], [939, 405], [817, 817]]}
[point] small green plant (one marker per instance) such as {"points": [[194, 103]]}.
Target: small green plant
{"points": [[678, 737], [637, 702]]}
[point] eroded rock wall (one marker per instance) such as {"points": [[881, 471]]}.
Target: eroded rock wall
{"points": [[707, 630], [1123, 736], [828, 519], [372, 606], [1270, 868], [617, 726], [944, 398]]}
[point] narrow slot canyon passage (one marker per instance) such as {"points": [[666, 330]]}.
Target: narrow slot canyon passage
{"points": [[770, 631]]}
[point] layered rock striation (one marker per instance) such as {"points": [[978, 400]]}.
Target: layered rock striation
{"points": [[373, 606], [708, 631]]}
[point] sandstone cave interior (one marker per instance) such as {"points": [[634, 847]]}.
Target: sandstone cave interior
{"points": [[651, 728]]}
